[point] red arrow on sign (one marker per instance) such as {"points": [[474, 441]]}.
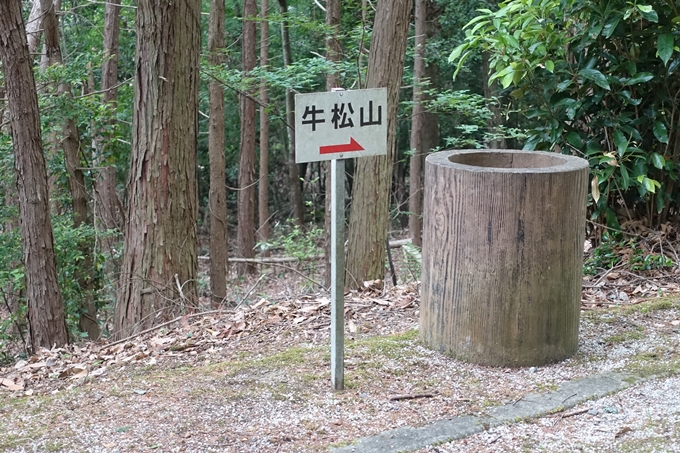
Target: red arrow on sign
{"points": [[353, 145]]}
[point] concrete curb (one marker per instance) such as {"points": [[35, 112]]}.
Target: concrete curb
{"points": [[533, 405]]}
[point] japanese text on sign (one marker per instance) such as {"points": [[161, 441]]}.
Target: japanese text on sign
{"points": [[340, 124]]}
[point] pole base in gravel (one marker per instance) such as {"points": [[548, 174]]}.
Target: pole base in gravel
{"points": [[503, 241]]}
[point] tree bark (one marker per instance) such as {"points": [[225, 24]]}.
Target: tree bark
{"points": [[246, 169], [294, 171], [333, 53], [33, 27], [46, 316], [218, 189], [70, 144], [415, 223], [158, 275], [263, 187], [107, 213], [369, 214]]}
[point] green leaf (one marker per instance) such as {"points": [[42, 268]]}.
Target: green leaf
{"points": [[518, 93], [640, 77], [660, 132], [625, 177], [457, 52], [550, 66], [563, 85], [610, 26], [664, 47], [649, 184], [648, 13], [595, 76], [612, 220], [620, 141], [658, 160], [574, 140], [512, 41], [506, 81], [626, 95], [460, 63]]}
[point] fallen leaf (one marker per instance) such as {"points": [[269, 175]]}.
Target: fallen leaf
{"points": [[20, 364], [623, 431], [260, 303], [10, 384], [37, 366], [98, 372]]}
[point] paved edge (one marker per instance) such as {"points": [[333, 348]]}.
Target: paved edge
{"points": [[532, 405]]}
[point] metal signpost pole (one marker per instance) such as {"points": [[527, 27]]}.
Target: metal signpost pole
{"points": [[331, 126], [337, 273]]}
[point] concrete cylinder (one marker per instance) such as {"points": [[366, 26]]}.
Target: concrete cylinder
{"points": [[503, 235]]}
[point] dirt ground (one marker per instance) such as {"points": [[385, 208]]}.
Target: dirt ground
{"points": [[257, 378]]}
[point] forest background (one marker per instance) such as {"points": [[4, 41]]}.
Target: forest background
{"points": [[596, 79]]}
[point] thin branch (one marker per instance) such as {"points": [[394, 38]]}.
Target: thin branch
{"points": [[411, 397], [16, 323], [320, 5], [249, 96], [250, 291]]}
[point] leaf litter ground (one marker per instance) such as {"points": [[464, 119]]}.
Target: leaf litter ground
{"points": [[257, 378]]}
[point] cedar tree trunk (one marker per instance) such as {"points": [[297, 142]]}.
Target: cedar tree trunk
{"points": [[108, 215], [369, 214], [158, 275], [263, 187], [70, 144], [245, 237], [415, 224], [218, 188], [295, 172], [333, 53], [46, 317]]}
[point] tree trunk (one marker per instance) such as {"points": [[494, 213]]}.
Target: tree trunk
{"points": [[246, 168], [13, 293], [70, 143], [46, 316], [34, 27], [415, 223], [333, 53], [399, 192], [218, 188], [107, 213], [158, 275], [295, 172], [369, 214], [263, 187]]}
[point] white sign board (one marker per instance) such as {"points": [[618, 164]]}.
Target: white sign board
{"points": [[340, 124]]}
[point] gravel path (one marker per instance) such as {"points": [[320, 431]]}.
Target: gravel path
{"points": [[198, 388], [643, 418]]}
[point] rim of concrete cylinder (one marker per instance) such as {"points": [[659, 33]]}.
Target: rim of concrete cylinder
{"points": [[506, 161]]}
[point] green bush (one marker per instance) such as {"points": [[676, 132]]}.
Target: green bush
{"points": [[596, 79]]}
